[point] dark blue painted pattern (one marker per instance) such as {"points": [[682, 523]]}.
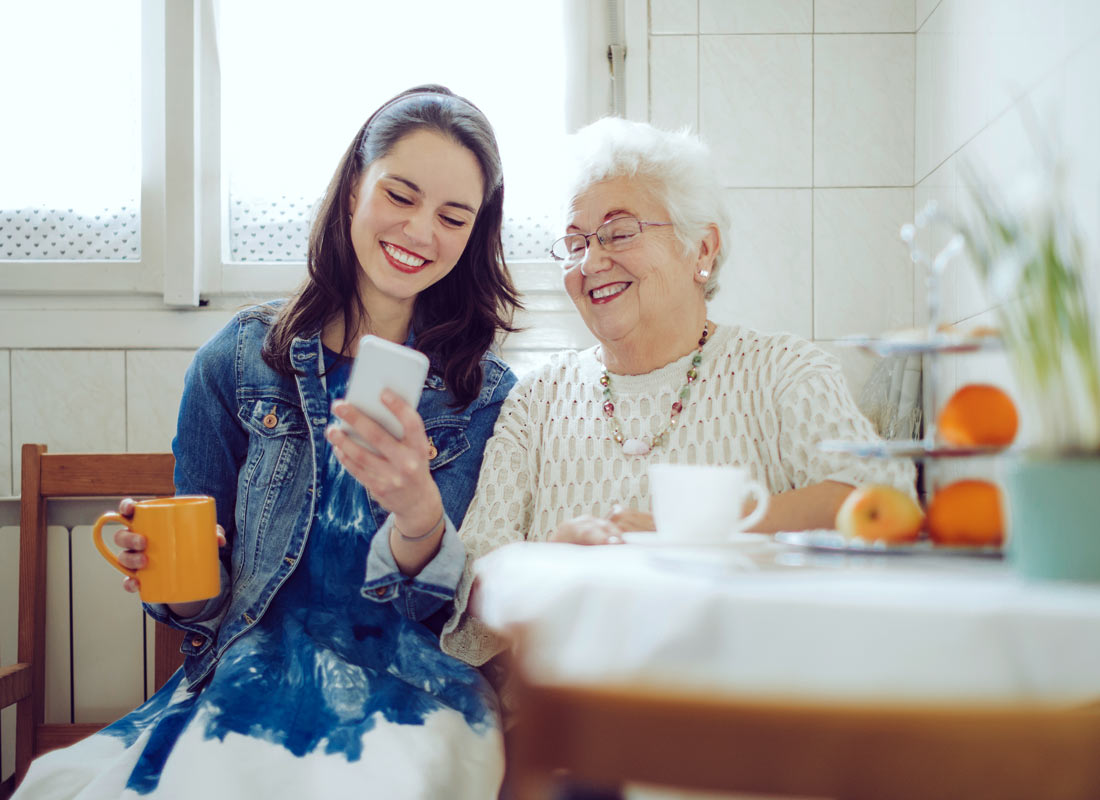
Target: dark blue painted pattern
{"points": [[322, 662]]}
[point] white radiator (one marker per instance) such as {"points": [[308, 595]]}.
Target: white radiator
{"points": [[99, 644]]}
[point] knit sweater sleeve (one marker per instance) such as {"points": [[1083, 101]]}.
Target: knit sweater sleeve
{"points": [[500, 513], [813, 404]]}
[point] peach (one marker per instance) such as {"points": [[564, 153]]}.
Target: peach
{"points": [[880, 513]]}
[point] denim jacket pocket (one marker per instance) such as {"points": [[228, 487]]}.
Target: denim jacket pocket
{"points": [[448, 439], [278, 436], [278, 444], [272, 416]]}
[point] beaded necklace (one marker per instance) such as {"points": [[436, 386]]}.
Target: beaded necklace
{"points": [[640, 447]]}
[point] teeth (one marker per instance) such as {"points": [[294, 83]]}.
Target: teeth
{"points": [[607, 291], [405, 258]]}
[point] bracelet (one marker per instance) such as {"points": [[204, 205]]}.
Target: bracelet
{"points": [[422, 536]]}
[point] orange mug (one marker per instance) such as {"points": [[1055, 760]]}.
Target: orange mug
{"points": [[181, 548]]}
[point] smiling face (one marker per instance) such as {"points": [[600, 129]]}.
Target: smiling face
{"points": [[412, 211], [643, 299]]}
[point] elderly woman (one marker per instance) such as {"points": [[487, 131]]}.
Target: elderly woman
{"points": [[644, 245]]}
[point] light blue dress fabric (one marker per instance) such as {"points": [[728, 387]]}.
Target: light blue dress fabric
{"points": [[330, 694]]}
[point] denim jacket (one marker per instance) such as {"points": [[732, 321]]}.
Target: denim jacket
{"points": [[253, 438]]}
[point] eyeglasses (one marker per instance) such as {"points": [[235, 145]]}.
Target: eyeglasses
{"points": [[615, 234]]}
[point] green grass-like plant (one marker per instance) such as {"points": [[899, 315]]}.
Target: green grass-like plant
{"points": [[1029, 256]]}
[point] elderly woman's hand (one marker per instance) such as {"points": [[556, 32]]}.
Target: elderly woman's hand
{"points": [[588, 530], [630, 520], [598, 530]]}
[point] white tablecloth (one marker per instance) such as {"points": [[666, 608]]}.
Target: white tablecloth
{"points": [[762, 617]]}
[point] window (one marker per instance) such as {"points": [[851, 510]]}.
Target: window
{"points": [[192, 138], [70, 145], [298, 80]]}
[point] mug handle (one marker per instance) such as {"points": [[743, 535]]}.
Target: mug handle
{"points": [[97, 537], [762, 497]]}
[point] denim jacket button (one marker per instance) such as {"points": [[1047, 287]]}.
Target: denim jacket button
{"points": [[432, 450], [380, 591], [270, 421], [197, 641]]}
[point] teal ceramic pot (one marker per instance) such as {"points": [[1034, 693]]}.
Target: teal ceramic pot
{"points": [[1054, 517]]}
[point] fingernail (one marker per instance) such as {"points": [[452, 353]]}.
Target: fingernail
{"points": [[614, 540], [388, 396]]}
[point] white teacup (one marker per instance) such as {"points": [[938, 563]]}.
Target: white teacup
{"points": [[701, 503]]}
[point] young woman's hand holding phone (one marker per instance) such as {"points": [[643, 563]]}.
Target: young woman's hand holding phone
{"points": [[397, 476], [394, 469]]}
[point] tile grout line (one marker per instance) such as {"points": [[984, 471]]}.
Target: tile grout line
{"points": [[671, 34], [813, 178], [913, 191]]}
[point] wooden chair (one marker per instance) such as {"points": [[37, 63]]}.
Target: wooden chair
{"points": [[55, 475], [607, 736]]}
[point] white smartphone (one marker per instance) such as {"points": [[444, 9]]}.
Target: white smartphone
{"points": [[382, 364]]}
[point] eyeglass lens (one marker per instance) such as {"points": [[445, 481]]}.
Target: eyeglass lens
{"points": [[612, 234]]}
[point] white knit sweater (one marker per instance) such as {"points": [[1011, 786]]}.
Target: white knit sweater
{"points": [[761, 402]]}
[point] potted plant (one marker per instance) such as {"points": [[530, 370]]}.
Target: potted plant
{"points": [[1028, 254]]}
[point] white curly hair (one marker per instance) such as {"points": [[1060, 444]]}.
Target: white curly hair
{"points": [[675, 167]]}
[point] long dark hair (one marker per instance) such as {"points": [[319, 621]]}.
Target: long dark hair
{"points": [[455, 319]]}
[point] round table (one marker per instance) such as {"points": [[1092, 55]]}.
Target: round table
{"points": [[758, 616]]}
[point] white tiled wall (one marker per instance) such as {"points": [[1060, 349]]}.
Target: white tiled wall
{"points": [[863, 110], [70, 400], [987, 70], [752, 16], [756, 107], [674, 81], [154, 382], [770, 246], [864, 16], [808, 106], [862, 276], [674, 16]]}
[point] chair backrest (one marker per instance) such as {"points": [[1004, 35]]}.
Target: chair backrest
{"points": [[55, 475]]}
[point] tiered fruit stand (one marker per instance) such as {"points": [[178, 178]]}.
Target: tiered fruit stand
{"points": [[931, 343]]}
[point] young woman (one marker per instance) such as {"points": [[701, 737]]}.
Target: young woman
{"points": [[316, 672]]}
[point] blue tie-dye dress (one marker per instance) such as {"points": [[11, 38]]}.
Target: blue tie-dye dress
{"points": [[329, 695]]}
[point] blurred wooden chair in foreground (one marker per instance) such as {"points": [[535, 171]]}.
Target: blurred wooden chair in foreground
{"points": [[608, 736], [57, 475]]}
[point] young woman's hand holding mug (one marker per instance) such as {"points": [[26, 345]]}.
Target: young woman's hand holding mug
{"points": [[133, 557]]}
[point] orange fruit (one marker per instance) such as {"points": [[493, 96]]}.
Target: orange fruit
{"points": [[966, 513], [978, 414]]}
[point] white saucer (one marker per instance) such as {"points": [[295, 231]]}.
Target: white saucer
{"points": [[836, 541], [650, 539]]}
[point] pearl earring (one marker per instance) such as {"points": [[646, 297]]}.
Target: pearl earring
{"points": [[704, 273]]}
